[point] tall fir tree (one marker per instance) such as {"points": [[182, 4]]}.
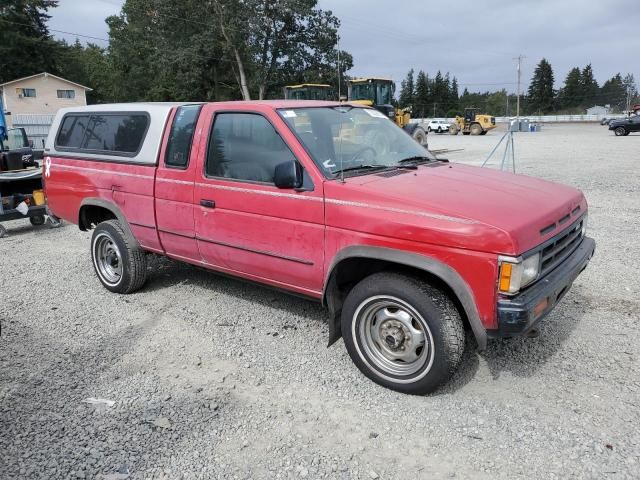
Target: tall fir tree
{"points": [[407, 90], [589, 87], [613, 93], [422, 94], [541, 94], [570, 94]]}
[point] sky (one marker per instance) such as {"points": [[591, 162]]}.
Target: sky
{"points": [[476, 41]]}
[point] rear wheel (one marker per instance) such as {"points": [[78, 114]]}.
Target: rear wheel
{"points": [[475, 129], [402, 333], [620, 131], [120, 266]]}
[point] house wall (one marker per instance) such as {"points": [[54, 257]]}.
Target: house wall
{"points": [[46, 100]]}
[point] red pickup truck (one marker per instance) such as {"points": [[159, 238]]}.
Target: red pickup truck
{"points": [[326, 200]]}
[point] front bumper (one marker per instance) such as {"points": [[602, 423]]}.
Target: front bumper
{"points": [[517, 315]]}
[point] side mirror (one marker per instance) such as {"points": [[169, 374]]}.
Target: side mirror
{"points": [[288, 175]]}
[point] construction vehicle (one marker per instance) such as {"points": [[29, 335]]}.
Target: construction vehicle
{"points": [[308, 91], [472, 123], [378, 92]]}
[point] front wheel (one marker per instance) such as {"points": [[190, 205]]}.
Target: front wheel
{"points": [[120, 266], [620, 131], [402, 333], [475, 129]]}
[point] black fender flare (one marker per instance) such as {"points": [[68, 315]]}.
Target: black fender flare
{"points": [[113, 208], [430, 265]]}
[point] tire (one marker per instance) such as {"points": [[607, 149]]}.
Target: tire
{"points": [[54, 222], [420, 136], [37, 220], [121, 267], [475, 129], [386, 313], [620, 131], [429, 129], [453, 129], [439, 130]]}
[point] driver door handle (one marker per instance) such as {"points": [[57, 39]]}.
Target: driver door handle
{"points": [[208, 203]]}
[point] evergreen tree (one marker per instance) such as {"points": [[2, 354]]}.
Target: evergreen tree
{"points": [[570, 94], [407, 91], [422, 94], [589, 87], [25, 45], [454, 106], [439, 95], [613, 92], [541, 94]]}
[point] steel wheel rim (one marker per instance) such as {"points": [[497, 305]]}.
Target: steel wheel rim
{"points": [[107, 258], [393, 338]]}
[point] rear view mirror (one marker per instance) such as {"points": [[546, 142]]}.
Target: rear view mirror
{"points": [[288, 175]]}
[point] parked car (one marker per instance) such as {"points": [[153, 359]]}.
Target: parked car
{"points": [[624, 126], [438, 126], [326, 200]]}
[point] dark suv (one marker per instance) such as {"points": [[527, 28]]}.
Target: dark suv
{"points": [[625, 126]]}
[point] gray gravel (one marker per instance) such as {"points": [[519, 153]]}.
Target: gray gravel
{"points": [[213, 378]]}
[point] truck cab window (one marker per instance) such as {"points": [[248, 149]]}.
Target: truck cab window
{"points": [[245, 146], [181, 136]]}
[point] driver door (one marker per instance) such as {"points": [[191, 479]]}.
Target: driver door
{"points": [[247, 226]]}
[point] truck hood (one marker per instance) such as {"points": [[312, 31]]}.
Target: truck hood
{"points": [[456, 205]]}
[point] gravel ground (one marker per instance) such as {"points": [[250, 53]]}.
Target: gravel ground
{"points": [[214, 378]]}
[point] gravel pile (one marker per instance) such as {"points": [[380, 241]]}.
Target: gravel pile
{"points": [[199, 376]]}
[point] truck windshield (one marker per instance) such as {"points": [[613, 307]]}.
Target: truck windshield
{"points": [[344, 138], [16, 139]]}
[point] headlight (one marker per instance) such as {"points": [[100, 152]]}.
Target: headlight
{"points": [[516, 274], [584, 225]]}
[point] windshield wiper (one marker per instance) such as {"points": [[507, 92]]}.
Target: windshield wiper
{"points": [[366, 166], [416, 159]]}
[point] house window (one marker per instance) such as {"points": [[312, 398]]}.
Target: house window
{"points": [[26, 92], [66, 94]]}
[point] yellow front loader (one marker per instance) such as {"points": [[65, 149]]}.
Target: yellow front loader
{"points": [[473, 123], [377, 93], [308, 91]]}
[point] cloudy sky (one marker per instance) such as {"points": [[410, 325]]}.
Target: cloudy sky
{"points": [[475, 41]]}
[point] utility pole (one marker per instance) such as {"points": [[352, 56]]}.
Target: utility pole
{"points": [[519, 58], [339, 80], [434, 110]]}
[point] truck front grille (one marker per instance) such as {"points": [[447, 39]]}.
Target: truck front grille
{"points": [[560, 247]]}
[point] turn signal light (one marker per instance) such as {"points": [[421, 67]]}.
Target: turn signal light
{"points": [[505, 276]]}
